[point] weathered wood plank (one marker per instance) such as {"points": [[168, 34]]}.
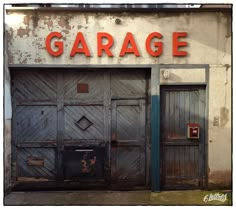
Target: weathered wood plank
{"points": [[60, 125]]}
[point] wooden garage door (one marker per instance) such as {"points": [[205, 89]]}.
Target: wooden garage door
{"points": [[64, 123], [182, 159]]}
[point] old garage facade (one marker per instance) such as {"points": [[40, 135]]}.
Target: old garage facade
{"points": [[103, 104]]}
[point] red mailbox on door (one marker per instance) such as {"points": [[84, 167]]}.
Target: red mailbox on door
{"points": [[193, 131]]}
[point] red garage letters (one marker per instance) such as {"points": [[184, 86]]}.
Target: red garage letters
{"points": [[105, 41]]}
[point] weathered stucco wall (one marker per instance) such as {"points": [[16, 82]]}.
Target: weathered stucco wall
{"points": [[209, 42], [208, 36], [219, 133]]}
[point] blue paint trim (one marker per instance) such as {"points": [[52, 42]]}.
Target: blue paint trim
{"points": [[155, 148]]}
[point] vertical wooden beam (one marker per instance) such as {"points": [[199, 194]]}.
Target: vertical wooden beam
{"points": [[155, 129], [148, 127], [60, 125], [107, 123]]}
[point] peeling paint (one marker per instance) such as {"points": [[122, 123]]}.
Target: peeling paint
{"points": [[38, 60], [23, 32], [24, 61], [35, 19], [64, 23], [65, 31], [49, 23], [26, 20], [86, 18], [9, 35]]}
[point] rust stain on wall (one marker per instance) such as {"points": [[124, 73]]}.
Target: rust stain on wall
{"points": [[9, 35], [49, 23], [22, 32], [224, 116], [86, 18], [65, 31], [35, 19], [9, 38], [220, 179], [26, 20], [38, 60], [10, 58], [24, 61], [64, 23]]}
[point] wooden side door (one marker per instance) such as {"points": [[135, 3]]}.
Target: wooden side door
{"points": [[182, 159], [128, 143]]}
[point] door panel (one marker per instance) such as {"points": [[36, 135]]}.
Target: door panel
{"points": [[81, 126], [93, 80], [128, 142], [128, 83], [34, 86], [36, 123], [84, 122], [128, 164], [36, 163], [182, 158]]}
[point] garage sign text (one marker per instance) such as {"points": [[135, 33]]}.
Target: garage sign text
{"points": [[153, 46]]}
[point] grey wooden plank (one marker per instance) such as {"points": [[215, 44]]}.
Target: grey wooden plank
{"points": [[181, 161], [187, 108], [148, 128], [142, 121], [167, 113], [107, 124], [127, 97], [35, 103], [52, 144], [172, 113], [128, 102], [113, 122], [83, 102], [177, 112], [182, 122], [191, 107], [60, 124]]}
